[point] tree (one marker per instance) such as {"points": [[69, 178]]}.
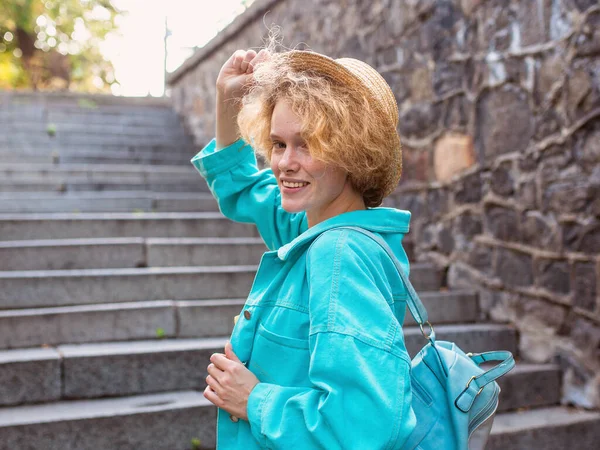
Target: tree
{"points": [[47, 44]]}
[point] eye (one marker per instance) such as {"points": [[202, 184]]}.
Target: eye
{"points": [[278, 145]]}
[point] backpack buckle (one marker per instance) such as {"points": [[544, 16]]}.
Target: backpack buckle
{"points": [[469, 382], [431, 332]]}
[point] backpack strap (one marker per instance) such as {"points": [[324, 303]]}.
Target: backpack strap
{"points": [[465, 399], [415, 305]]}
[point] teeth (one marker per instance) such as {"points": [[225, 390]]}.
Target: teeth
{"points": [[293, 185]]}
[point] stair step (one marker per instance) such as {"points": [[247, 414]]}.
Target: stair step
{"points": [[131, 154], [79, 128], [21, 289], [475, 338], [103, 253], [97, 172], [530, 385], [140, 320], [54, 202], [90, 323], [40, 139], [134, 367], [448, 307], [165, 421], [553, 428], [34, 185], [100, 225]]}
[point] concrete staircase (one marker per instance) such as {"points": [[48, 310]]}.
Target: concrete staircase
{"points": [[119, 278]]}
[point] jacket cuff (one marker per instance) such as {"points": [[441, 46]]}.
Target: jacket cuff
{"points": [[255, 410], [210, 161]]}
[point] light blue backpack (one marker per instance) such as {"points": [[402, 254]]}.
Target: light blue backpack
{"points": [[454, 399]]}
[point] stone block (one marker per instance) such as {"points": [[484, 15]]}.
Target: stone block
{"points": [[109, 225], [453, 154], [29, 376], [514, 268], [526, 194], [553, 275], [502, 223], [481, 258], [204, 251], [543, 383], [470, 338], [447, 77], [503, 123], [585, 293], [129, 368], [552, 428], [94, 286], [89, 323], [160, 421], [582, 238], [67, 254], [207, 318], [468, 189], [457, 113], [533, 22], [468, 224], [437, 202], [566, 196], [448, 307], [415, 165], [588, 43], [502, 180], [419, 120], [586, 336]]}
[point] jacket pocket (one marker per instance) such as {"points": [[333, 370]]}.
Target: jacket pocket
{"points": [[282, 340], [280, 359]]}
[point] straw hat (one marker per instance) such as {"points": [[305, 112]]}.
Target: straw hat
{"points": [[365, 79]]}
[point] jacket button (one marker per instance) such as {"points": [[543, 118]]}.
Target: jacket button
{"points": [[247, 314], [233, 418]]}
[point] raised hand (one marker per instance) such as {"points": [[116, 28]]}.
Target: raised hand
{"points": [[236, 76]]}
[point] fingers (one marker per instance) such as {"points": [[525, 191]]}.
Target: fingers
{"points": [[245, 64], [212, 397], [244, 61], [229, 353], [221, 361]]}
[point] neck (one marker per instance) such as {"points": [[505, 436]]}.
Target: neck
{"points": [[348, 200]]}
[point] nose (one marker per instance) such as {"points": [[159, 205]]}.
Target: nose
{"points": [[288, 161]]}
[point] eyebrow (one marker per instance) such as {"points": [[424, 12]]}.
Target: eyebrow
{"points": [[274, 135]]}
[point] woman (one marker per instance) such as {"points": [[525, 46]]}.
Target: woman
{"points": [[317, 358]]}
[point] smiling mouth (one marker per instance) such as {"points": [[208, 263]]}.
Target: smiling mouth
{"points": [[292, 185]]}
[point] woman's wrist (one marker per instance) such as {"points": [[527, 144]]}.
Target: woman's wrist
{"points": [[226, 121]]}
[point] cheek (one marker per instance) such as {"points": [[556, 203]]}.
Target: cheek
{"points": [[274, 164]]}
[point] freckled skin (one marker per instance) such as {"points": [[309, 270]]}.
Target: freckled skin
{"points": [[328, 192]]}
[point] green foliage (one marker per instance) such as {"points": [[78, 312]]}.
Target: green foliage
{"points": [[196, 443], [85, 103], [160, 333], [42, 41], [51, 129]]}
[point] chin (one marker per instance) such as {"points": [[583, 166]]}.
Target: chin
{"points": [[292, 208]]}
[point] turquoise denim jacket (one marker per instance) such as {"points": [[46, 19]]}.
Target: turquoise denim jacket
{"points": [[321, 325]]}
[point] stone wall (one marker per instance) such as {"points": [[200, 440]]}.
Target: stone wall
{"points": [[500, 121]]}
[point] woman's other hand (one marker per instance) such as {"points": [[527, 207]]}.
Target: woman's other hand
{"points": [[229, 383], [235, 76]]}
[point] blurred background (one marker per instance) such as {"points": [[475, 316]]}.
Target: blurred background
{"points": [[123, 47]]}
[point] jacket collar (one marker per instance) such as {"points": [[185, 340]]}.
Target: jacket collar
{"points": [[379, 220]]}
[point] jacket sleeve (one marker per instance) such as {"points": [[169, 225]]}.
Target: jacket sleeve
{"points": [[359, 368], [246, 194]]}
